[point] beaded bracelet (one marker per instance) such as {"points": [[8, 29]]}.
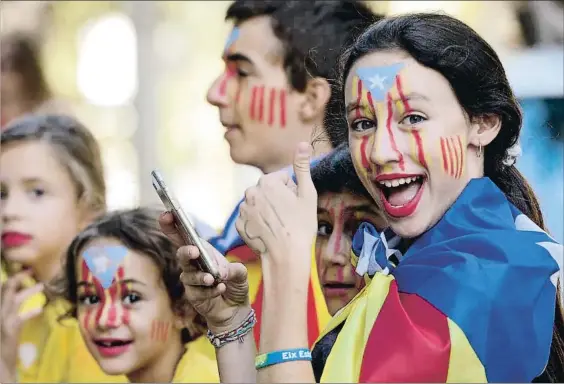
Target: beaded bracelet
{"points": [[223, 338], [283, 356]]}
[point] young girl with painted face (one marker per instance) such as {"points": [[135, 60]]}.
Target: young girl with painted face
{"points": [[123, 281], [464, 286], [52, 186]]}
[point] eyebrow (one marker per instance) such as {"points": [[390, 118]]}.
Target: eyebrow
{"points": [[126, 281], [366, 208], [353, 105], [238, 57]]}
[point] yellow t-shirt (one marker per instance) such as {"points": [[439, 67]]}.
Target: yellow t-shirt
{"points": [[202, 345], [195, 366], [54, 351]]}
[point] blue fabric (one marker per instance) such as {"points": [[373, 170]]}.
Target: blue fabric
{"points": [[488, 268]]}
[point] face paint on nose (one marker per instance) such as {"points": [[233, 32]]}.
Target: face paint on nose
{"points": [[452, 150], [229, 73], [418, 152], [100, 266], [229, 67], [109, 311], [112, 312], [379, 81]]}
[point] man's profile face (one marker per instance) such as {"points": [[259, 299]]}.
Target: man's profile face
{"points": [[256, 103]]}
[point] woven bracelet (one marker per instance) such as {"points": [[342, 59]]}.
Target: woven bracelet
{"points": [[238, 333]]}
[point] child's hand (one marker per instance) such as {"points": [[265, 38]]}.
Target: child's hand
{"points": [[224, 306], [14, 294]]}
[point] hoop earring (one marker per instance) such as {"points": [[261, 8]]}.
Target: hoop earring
{"points": [[479, 150]]}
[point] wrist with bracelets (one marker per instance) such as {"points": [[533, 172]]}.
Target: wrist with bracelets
{"points": [[238, 333]]}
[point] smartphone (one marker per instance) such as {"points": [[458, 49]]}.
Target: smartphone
{"points": [[205, 262]]}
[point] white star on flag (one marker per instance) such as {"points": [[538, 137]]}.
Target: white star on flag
{"points": [[101, 264], [377, 81]]}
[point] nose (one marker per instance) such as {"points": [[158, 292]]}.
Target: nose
{"points": [[111, 312], [384, 149], [217, 93], [337, 251]]}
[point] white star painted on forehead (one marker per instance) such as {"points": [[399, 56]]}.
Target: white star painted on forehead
{"points": [[101, 264], [377, 81]]}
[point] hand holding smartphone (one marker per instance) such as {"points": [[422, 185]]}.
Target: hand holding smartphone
{"points": [[205, 262]]}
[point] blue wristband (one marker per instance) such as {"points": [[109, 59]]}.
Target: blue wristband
{"points": [[272, 358]]}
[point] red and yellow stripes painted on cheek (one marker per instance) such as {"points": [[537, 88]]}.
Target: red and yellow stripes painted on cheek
{"points": [[453, 152]]}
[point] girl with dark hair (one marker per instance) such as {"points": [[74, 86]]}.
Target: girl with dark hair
{"points": [[463, 285], [123, 282]]}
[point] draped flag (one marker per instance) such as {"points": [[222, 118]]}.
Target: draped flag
{"points": [[472, 300], [230, 244]]}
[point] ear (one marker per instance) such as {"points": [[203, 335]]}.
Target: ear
{"points": [[484, 130], [184, 316], [316, 97]]}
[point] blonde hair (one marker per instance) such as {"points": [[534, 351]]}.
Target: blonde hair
{"points": [[76, 147]]}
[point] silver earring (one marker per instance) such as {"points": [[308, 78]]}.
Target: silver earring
{"points": [[479, 149]]}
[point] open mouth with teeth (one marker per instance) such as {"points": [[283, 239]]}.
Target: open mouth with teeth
{"points": [[109, 348], [400, 194], [112, 343]]}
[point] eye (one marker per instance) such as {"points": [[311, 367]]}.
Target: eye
{"points": [[3, 194], [412, 119], [324, 228], [362, 125], [241, 73], [36, 192], [131, 298], [88, 299]]}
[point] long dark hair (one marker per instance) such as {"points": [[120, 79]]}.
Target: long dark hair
{"points": [[478, 79]]}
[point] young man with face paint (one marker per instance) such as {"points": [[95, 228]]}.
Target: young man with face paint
{"points": [[277, 90]]}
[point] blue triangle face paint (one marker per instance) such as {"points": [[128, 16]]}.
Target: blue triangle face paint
{"points": [[379, 80], [104, 262], [234, 35]]}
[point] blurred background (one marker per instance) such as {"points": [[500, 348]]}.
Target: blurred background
{"points": [[136, 73]]}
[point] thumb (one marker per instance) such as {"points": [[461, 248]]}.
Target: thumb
{"points": [[302, 158], [236, 272]]}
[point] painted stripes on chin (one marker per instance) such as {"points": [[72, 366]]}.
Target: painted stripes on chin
{"points": [[268, 104]]}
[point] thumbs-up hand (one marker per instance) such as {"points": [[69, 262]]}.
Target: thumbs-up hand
{"points": [[278, 218]]}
